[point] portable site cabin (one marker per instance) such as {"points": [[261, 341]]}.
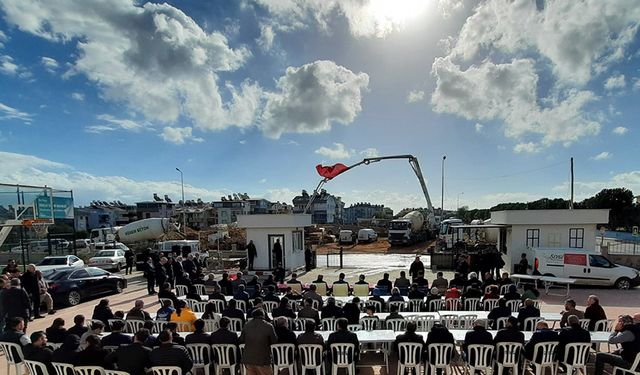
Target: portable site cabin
{"points": [[265, 230], [528, 229]]}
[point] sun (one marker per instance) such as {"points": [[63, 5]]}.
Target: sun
{"points": [[396, 12]]}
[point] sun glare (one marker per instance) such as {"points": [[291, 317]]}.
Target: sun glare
{"points": [[397, 12]]}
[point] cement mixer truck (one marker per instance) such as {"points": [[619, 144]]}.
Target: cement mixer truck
{"points": [[409, 229], [141, 230]]}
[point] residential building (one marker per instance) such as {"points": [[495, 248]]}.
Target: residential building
{"points": [[356, 212], [326, 208]]}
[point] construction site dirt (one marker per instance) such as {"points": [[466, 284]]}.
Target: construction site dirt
{"points": [[381, 246]]}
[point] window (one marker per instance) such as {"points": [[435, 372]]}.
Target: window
{"points": [[80, 274], [97, 272], [555, 240], [599, 261], [297, 240], [533, 237], [576, 237]]}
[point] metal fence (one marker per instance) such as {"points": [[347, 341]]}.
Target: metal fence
{"points": [[623, 247], [334, 260]]}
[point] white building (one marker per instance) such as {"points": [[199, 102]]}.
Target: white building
{"points": [[264, 230], [547, 228]]}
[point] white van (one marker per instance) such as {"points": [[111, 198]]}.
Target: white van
{"points": [[346, 236], [367, 235], [587, 267]]}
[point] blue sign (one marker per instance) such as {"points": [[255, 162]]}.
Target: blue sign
{"points": [[62, 207]]}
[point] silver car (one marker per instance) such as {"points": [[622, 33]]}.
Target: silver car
{"points": [[110, 259], [54, 262]]}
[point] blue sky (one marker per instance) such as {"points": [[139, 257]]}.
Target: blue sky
{"points": [[107, 98]]}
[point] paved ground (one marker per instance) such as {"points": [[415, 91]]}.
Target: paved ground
{"points": [[615, 302]]}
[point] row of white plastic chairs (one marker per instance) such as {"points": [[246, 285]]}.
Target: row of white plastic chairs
{"points": [[412, 305]]}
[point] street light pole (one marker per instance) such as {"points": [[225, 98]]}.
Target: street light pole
{"points": [[444, 157], [184, 214]]}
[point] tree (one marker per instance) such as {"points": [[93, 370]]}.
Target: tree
{"points": [[614, 199]]}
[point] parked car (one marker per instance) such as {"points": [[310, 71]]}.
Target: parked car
{"points": [[111, 259], [83, 243], [62, 261], [346, 236], [69, 286], [367, 235]]}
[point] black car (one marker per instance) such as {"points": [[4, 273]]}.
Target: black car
{"points": [[69, 286]]}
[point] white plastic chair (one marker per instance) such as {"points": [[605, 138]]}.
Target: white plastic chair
{"points": [[115, 372], [361, 290], [576, 356], [472, 304], [242, 305], [89, 322], [219, 305], [243, 368], [377, 305], [415, 305], [225, 358], [466, 321], [479, 358], [211, 325], [321, 288], [199, 306], [110, 348], [63, 368], [343, 356], [200, 289], [490, 304], [111, 321], [504, 289], [449, 320], [584, 323], [201, 356], [328, 324], [236, 324], [452, 304], [340, 290], [299, 324], [425, 323], [409, 357], [35, 368], [184, 327], [13, 355], [90, 370], [311, 358], [546, 352], [436, 305], [162, 301], [54, 345], [514, 305], [537, 303], [632, 370], [166, 370], [369, 323], [604, 325], [181, 290], [268, 306], [190, 302], [133, 325], [530, 323], [401, 305], [354, 327], [158, 326], [283, 357], [315, 304], [439, 357], [508, 356], [501, 322], [396, 325]]}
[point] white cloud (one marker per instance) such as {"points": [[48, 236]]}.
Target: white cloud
{"points": [[7, 66], [370, 153], [478, 127], [615, 82], [311, 97], [31, 170], [508, 92], [577, 37], [179, 135], [602, 156], [243, 141], [262, 181], [337, 152], [586, 189], [415, 96], [111, 123], [152, 57], [265, 41], [50, 64], [620, 130], [10, 113], [77, 96], [528, 147], [3, 39]]}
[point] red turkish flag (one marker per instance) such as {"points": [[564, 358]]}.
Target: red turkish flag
{"points": [[330, 172]]}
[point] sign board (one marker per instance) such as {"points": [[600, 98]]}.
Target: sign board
{"points": [[62, 207], [634, 231]]}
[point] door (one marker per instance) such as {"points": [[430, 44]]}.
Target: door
{"points": [[273, 239], [600, 271], [575, 267], [84, 282], [101, 282]]}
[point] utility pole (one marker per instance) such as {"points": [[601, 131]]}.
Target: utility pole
{"points": [[184, 212], [571, 205], [444, 157]]}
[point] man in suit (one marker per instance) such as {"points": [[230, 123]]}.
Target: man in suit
{"points": [[223, 335], [133, 358], [199, 336], [331, 310], [351, 311], [528, 311], [343, 336], [572, 333], [408, 336], [477, 336], [439, 334], [116, 337], [168, 354], [510, 333], [542, 334], [258, 336]]}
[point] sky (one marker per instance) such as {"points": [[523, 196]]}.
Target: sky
{"points": [[109, 97]]}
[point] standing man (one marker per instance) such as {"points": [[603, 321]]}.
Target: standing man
{"points": [[150, 274], [129, 257], [417, 269], [277, 251], [251, 253], [161, 272], [16, 303], [30, 284], [258, 336]]}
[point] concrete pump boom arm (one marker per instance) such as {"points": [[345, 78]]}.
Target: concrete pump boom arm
{"points": [[413, 161]]}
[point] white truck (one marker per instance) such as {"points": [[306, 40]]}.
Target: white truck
{"points": [[409, 229], [141, 230]]}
